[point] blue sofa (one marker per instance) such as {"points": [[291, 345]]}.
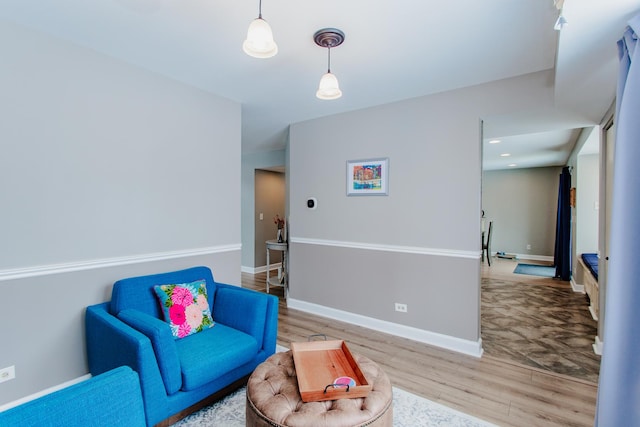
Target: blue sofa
{"points": [[110, 399], [178, 373]]}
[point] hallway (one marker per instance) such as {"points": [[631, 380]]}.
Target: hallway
{"points": [[537, 321]]}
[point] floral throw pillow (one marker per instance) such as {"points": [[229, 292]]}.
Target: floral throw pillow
{"points": [[185, 307]]}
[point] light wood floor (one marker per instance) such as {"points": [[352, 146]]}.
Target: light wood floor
{"points": [[503, 392]]}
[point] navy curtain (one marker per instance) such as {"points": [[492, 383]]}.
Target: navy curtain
{"points": [[619, 388], [562, 255]]}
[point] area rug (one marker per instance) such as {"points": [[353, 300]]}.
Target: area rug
{"points": [[535, 270], [409, 410]]}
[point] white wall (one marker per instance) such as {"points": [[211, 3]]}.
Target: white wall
{"points": [[356, 256], [106, 171]]}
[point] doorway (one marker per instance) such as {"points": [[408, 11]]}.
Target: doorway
{"points": [[270, 201]]}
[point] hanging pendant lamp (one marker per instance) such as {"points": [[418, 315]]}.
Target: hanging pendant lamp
{"points": [[328, 37], [259, 42]]}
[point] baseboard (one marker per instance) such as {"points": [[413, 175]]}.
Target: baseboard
{"points": [[256, 270], [597, 346], [593, 313], [534, 257], [471, 348], [577, 287], [44, 392]]}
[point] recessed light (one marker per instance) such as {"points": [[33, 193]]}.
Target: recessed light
{"points": [[512, 165], [495, 141], [505, 155]]}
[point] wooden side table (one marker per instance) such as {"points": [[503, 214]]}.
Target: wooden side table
{"points": [[274, 245]]}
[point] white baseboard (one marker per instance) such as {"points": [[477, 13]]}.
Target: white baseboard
{"points": [[471, 348], [576, 286], [44, 392], [597, 346], [534, 257], [256, 270], [592, 310]]}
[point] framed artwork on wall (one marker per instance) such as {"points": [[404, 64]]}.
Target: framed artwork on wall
{"points": [[368, 177]]}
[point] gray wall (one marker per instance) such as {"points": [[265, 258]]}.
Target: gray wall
{"points": [[107, 171], [421, 244], [270, 201], [585, 176], [251, 162], [522, 203], [587, 203]]}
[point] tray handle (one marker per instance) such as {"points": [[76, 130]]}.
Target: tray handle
{"points": [[310, 337], [336, 385]]}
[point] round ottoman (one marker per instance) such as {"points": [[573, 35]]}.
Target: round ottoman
{"points": [[273, 398]]}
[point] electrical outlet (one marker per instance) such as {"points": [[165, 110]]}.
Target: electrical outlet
{"points": [[402, 308], [528, 247], [7, 374]]}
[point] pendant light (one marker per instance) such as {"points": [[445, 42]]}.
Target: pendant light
{"points": [[259, 42], [328, 37]]}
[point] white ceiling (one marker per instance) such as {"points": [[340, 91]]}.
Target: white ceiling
{"points": [[393, 50]]}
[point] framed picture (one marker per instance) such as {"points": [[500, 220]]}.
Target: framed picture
{"points": [[368, 177]]}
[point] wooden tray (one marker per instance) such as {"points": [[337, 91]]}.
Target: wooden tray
{"points": [[319, 363]]}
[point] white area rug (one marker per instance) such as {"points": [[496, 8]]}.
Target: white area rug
{"points": [[409, 410]]}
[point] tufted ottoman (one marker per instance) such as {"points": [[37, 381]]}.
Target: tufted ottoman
{"points": [[273, 398]]}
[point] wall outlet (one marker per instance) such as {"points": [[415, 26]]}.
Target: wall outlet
{"points": [[7, 374], [402, 308], [529, 247]]}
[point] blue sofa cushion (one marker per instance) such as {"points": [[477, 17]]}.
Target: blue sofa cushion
{"points": [[138, 293], [212, 353], [163, 345], [109, 399], [591, 260]]}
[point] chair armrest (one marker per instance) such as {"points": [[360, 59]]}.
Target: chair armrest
{"points": [[106, 399], [112, 343], [164, 346], [249, 311]]}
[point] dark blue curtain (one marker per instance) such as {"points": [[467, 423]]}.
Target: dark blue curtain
{"points": [[619, 389], [562, 255]]}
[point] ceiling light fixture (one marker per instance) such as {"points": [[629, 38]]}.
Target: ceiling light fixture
{"points": [[328, 37], [495, 141], [259, 42]]}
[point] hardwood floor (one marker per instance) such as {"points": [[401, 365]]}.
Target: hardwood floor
{"points": [[537, 321], [495, 389]]}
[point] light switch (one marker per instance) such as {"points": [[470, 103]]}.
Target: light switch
{"points": [[261, 216]]}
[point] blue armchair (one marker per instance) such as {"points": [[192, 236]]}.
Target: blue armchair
{"points": [[178, 373]]}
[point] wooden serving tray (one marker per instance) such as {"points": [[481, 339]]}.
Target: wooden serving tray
{"points": [[319, 363]]}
